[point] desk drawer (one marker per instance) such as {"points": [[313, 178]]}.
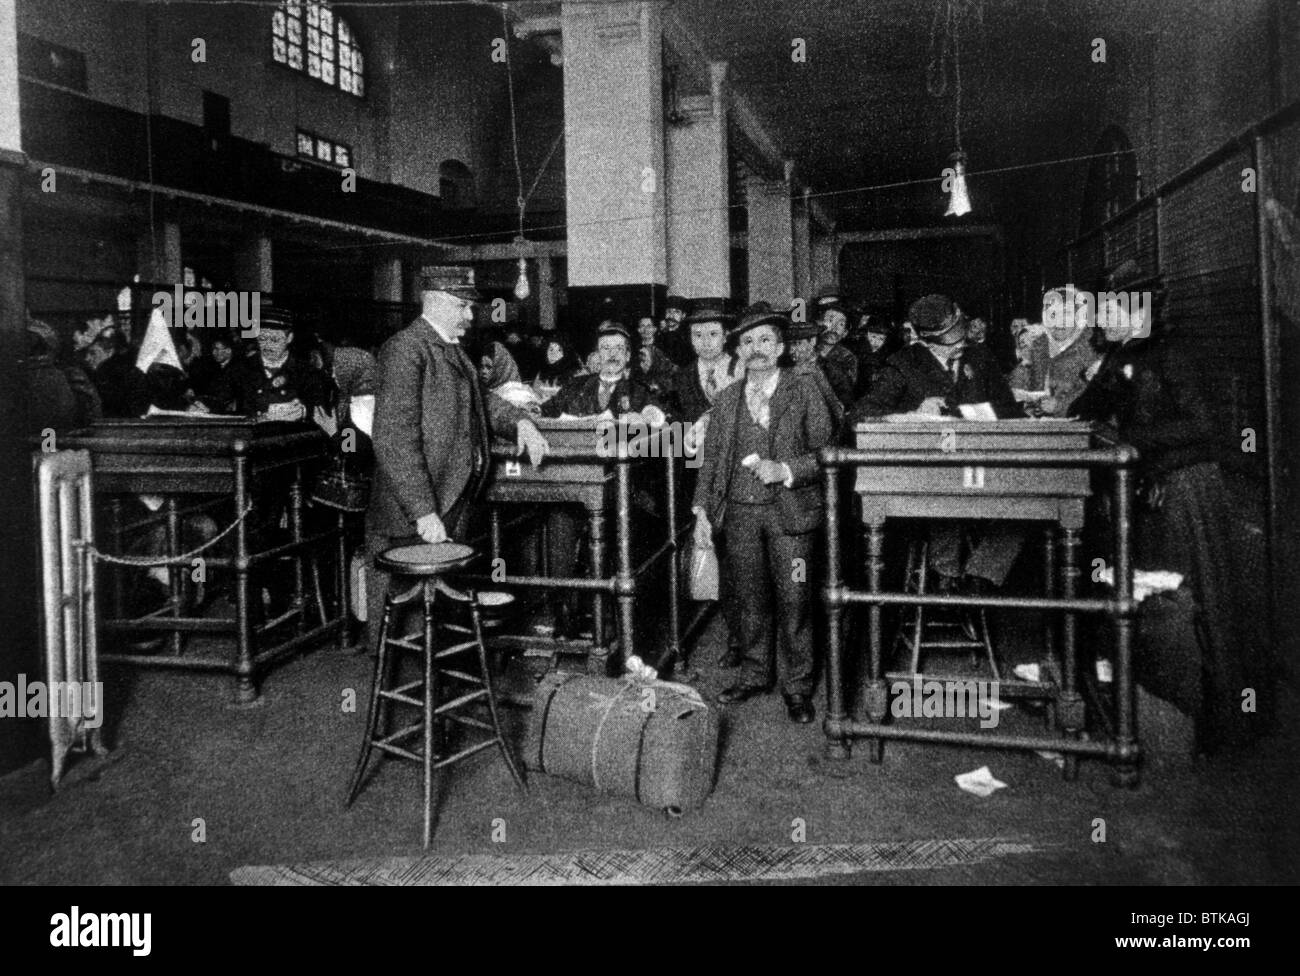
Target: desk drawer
{"points": [[972, 480]]}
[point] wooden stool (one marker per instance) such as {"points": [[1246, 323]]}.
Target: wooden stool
{"points": [[430, 563], [913, 634]]}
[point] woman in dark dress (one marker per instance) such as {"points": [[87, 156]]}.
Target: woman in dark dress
{"points": [[1186, 519]]}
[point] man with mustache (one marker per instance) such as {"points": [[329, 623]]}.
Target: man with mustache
{"points": [[759, 484], [611, 388]]}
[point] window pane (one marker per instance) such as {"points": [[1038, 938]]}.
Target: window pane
{"points": [[313, 65], [295, 31], [278, 49], [326, 20], [313, 13], [342, 156], [324, 151], [305, 144], [295, 58], [295, 8], [277, 24], [327, 47], [327, 72], [356, 60], [358, 85], [345, 32], [313, 39]]}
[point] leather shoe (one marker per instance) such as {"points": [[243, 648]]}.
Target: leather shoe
{"points": [[799, 708], [739, 693]]}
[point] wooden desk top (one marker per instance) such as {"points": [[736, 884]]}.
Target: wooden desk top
{"points": [[191, 455]]}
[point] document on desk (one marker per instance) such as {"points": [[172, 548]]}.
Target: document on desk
{"points": [[977, 411]]}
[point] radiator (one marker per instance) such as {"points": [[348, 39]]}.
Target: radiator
{"points": [[68, 618]]}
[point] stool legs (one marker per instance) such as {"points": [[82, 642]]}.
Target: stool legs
{"points": [[373, 717], [491, 694], [430, 713]]}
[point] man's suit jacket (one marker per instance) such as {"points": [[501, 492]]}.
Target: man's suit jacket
{"points": [[800, 425], [913, 374], [581, 397], [430, 418], [841, 369], [247, 389], [692, 402]]}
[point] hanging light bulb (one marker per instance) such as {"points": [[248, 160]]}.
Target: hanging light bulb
{"points": [[958, 197], [522, 291]]}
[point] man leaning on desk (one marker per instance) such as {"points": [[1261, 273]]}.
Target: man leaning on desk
{"points": [[433, 427], [934, 378]]}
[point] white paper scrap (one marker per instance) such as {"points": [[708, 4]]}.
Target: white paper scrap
{"points": [[980, 782], [1027, 672]]}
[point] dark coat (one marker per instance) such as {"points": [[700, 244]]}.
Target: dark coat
{"points": [[800, 426], [431, 417], [580, 397], [913, 375], [676, 344], [249, 389], [692, 402], [1152, 396], [122, 388], [841, 369]]}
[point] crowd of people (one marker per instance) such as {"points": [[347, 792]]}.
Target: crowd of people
{"points": [[762, 390]]}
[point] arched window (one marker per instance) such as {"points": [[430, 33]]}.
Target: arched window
{"points": [[307, 36], [1112, 180], [456, 186]]}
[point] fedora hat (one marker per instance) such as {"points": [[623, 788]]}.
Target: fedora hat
{"points": [[760, 313], [710, 310]]}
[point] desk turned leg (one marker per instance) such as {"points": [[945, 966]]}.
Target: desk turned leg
{"points": [[874, 694], [346, 638], [626, 590], [295, 527], [1051, 664], [175, 585], [115, 540], [245, 686], [598, 659], [1070, 707]]}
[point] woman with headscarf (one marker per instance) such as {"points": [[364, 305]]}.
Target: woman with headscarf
{"points": [[1184, 517]]}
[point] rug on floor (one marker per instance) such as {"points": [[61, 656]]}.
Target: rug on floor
{"points": [[632, 867]]}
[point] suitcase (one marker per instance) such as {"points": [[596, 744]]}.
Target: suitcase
{"points": [[653, 741]]}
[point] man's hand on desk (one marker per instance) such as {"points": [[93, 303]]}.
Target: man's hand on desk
{"points": [[530, 440], [931, 407], [431, 528]]}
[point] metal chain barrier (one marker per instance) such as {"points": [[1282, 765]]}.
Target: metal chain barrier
{"points": [[151, 561]]}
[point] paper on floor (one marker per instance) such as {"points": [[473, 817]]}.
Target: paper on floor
{"points": [[1027, 672], [979, 781]]}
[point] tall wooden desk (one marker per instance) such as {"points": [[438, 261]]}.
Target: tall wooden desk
{"points": [[1008, 469], [231, 457], [589, 467]]}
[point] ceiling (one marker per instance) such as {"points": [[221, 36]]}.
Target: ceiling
{"points": [[857, 113]]}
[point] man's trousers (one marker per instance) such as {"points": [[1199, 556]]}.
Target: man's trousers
{"points": [[770, 576]]}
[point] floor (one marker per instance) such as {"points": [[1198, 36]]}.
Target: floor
{"points": [[194, 789]]}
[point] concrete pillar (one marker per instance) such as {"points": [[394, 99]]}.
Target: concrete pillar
{"points": [[825, 260], [387, 280], [546, 296], [158, 254], [771, 244], [20, 738], [614, 159], [699, 242], [253, 266], [801, 249]]}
